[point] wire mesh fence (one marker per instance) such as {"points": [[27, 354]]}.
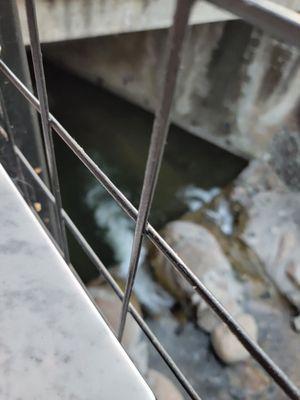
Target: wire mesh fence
{"points": [[276, 20]]}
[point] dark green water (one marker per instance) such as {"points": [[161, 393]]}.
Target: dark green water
{"points": [[116, 135]]}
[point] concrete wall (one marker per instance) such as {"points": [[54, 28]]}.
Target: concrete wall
{"points": [[238, 86]]}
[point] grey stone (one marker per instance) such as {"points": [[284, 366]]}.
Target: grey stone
{"points": [[201, 252], [162, 387], [273, 232], [227, 346]]}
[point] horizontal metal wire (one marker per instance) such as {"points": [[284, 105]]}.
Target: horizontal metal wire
{"points": [[254, 349], [103, 270], [279, 21]]}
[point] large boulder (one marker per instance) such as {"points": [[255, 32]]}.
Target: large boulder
{"points": [[273, 233], [201, 252], [269, 226]]}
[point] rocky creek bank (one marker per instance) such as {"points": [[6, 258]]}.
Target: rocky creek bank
{"points": [[252, 267]]}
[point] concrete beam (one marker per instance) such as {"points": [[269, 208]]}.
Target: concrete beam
{"points": [[238, 87], [61, 20]]}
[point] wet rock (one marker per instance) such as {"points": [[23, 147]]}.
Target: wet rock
{"points": [[227, 346], [162, 387], [201, 252], [110, 307]]}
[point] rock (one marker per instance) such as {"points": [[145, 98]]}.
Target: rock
{"points": [[208, 320], [201, 252], [226, 289], [162, 387], [273, 233], [110, 307], [198, 249], [227, 346], [268, 228], [256, 178]]}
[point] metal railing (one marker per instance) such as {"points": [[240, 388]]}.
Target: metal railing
{"points": [[262, 13]]}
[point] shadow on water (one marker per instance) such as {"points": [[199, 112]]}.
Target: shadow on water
{"points": [[116, 135]]}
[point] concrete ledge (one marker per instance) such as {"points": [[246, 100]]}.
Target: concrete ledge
{"points": [[53, 342]]}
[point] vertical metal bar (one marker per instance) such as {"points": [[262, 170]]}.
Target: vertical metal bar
{"points": [[47, 133], [157, 144], [23, 120]]}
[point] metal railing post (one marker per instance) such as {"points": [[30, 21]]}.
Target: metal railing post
{"points": [[157, 144], [46, 128]]}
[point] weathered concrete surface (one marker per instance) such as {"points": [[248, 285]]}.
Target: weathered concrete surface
{"points": [[75, 19], [61, 20], [238, 86], [53, 341]]}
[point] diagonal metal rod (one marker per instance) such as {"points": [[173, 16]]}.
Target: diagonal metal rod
{"points": [[46, 127], [157, 144], [110, 280], [254, 349]]}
